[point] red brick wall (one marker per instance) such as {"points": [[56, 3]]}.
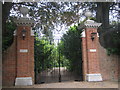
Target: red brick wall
{"points": [[108, 65], [16, 63], [92, 57], [25, 60], [31, 67], [84, 57], [9, 65]]}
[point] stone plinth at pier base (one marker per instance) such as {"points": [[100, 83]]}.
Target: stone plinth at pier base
{"points": [[23, 81], [94, 77]]}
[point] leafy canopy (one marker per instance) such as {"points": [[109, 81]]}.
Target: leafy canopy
{"points": [[70, 47]]}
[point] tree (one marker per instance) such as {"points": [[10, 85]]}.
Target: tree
{"points": [[6, 7], [102, 16], [48, 15], [71, 48], [7, 40], [43, 51]]}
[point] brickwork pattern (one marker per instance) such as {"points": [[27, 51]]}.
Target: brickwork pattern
{"points": [[108, 65], [84, 57], [25, 60], [9, 65], [16, 63], [90, 59], [98, 63]]}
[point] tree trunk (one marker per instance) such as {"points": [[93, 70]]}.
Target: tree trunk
{"points": [[6, 7], [102, 14]]}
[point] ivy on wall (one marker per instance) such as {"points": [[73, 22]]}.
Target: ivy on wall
{"points": [[115, 39]]}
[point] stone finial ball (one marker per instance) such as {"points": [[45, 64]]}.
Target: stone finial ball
{"points": [[88, 13], [24, 10]]}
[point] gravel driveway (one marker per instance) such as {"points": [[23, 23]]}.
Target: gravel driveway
{"points": [[73, 84], [68, 81]]}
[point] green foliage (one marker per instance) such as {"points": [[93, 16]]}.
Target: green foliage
{"points": [[47, 55], [113, 51], [68, 50], [64, 62], [43, 54], [115, 39], [70, 47], [7, 39]]}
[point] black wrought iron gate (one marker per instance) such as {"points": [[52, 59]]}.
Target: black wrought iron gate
{"points": [[57, 69]]}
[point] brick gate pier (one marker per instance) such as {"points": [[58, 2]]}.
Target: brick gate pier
{"points": [[90, 43]]}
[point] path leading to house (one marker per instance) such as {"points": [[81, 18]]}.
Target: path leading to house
{"points": [[73, 84], [52, 75]]}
